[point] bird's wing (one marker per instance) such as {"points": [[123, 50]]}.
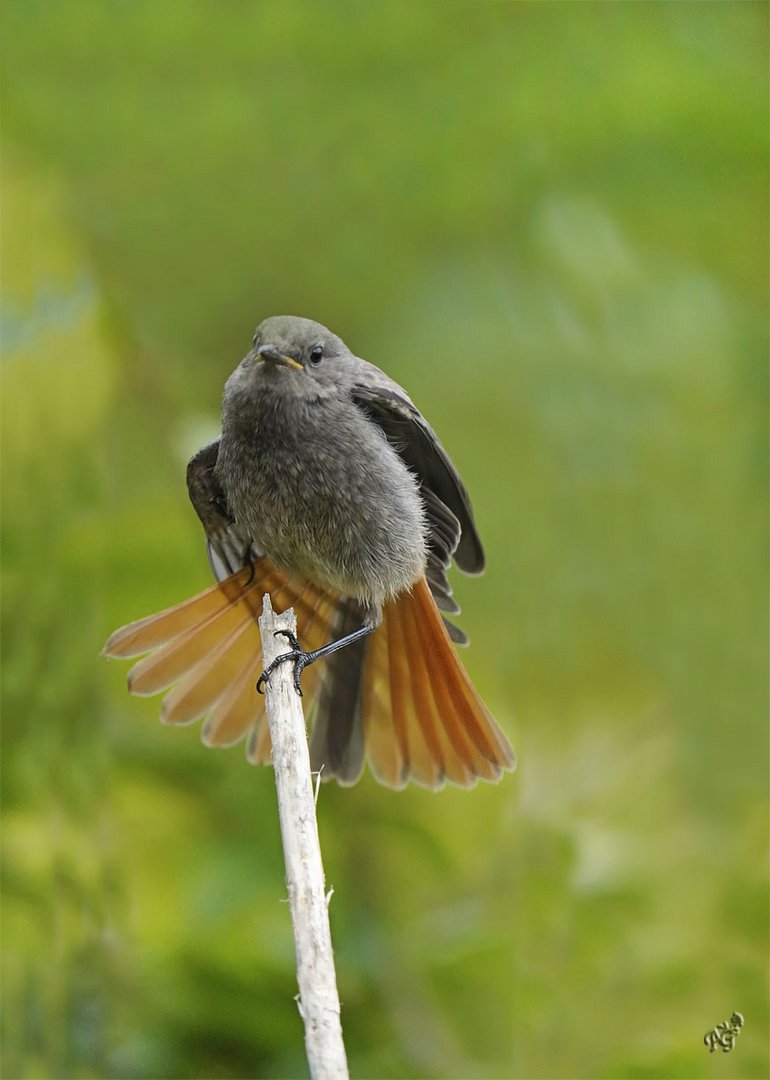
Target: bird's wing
{"points": [[228, 549], [452, 529], [418, 445]]}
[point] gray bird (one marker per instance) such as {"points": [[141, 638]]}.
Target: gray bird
{"points": [[328, 489]]}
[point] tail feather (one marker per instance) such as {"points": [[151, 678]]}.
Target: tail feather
{"points": [[240, 708], [154, 630], [398, 679], [400, 698], [259, 748], [187, 652], [237, 710], [207, 652], [427, 758], [234, 662], [383, 749], [436, 727], [470, 714], [463, 758], [456, 766], [203, 686], [337, 745]]}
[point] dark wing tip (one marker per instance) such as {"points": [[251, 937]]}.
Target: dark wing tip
{"points": [[469, 554]]}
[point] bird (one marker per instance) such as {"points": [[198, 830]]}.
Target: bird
{"points": [[329, 490]]}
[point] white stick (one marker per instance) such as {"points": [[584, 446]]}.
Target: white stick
{"points": [[319, 1002]]}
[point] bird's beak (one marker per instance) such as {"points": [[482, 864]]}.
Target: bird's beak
{"points": [[275, 356]]}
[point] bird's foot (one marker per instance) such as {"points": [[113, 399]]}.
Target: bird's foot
{"points": [[298, 655]]}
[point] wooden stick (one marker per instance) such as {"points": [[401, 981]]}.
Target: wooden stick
{"points": [[318, 1000]]}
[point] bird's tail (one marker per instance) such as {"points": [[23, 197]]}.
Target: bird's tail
{"points": [[400, 698]]}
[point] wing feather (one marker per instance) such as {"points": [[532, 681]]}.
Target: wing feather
{"points": [[410, 434]]}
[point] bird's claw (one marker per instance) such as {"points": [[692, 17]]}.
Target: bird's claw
{"points": [[291, 638], [298, 655]]}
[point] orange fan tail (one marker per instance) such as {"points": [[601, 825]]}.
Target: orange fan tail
{"points": [[208, 649], [422, 717], [400, 698]]}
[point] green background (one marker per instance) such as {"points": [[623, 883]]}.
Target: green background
{"points": [[549, 222]]}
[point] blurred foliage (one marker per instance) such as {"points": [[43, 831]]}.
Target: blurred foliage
{"points": [[549, 222]]}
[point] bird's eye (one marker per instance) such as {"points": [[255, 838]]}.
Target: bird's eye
{"points": [[316, 353]]}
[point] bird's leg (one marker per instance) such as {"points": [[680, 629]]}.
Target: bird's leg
{"points": [[302, 659]]}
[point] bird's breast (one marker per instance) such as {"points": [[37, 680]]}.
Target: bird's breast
{"points": [[321, 491]]}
